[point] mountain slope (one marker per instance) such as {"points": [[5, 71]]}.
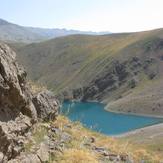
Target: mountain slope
{"points": [[105, 68], [16, 33]]}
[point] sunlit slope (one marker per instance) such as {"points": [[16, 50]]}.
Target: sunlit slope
{"points": [[102, 68]]}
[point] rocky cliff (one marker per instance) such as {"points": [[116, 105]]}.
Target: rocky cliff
{"points": [[19, 108]]}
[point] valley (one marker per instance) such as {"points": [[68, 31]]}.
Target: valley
{"points": [[81, 81], [123, 71]]}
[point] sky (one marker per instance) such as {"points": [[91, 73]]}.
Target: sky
{"points": [[86, 15]]}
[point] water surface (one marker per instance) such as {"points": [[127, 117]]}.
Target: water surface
{"points": [[93, 115]]}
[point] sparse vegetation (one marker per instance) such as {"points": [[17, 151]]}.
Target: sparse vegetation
{"points": [[82, 147], [38, 134]]}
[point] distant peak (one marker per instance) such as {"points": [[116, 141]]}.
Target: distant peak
{"points": [[3, 22]]}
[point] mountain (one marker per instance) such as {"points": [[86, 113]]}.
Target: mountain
{"points": [[32, 131], [16, 33], [122, 70], [53, 33]]}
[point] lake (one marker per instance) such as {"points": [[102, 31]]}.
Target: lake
{"points": [[94, 116]]}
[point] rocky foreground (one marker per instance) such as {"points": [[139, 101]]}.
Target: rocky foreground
{"points": [[19, 108]]}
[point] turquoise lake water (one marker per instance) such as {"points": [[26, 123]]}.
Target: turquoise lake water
{"points": [[93, 115]]}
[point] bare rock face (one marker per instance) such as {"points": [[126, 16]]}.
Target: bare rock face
{"points": [[14, 94], [46, 105], [18, 113]]}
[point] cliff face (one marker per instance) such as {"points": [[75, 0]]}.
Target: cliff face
{"points": [[15, 96], [19, 108]]}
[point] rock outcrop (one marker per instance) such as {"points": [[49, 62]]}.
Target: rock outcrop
{"points": [[14, 96], [46, 106], [19, 108], [117, 77]]}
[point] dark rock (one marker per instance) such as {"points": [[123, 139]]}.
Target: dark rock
{"points": [[114, 157], [99, 148], [151, 75], [132, 83], [101, 151], [89, 92], [78, 93], [124, 157], [56, 131], [92, 139], [46, 105]]}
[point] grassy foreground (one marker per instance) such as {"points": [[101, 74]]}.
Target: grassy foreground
{"points": [[80, 147]]}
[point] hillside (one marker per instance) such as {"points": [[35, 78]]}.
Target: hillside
{"points": [[14, 33], [10, 32], [110, 68], [32, 131]]}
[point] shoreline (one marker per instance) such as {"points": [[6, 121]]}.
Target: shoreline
{"points": [[139, 130], [135, 131], [118, 112], [136, 114]]}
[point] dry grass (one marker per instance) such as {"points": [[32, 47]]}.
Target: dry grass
{"points": [[77, 150], [36, 87], [78, 156]]}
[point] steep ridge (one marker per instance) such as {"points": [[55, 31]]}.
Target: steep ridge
{"points": [[10, 32], [102, 68], [19, 109], [14, 33]]}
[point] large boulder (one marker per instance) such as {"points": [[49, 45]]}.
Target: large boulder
{"points": [[46, 105]]}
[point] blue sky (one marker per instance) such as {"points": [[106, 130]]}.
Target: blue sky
{"points": [[94, 15]]}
